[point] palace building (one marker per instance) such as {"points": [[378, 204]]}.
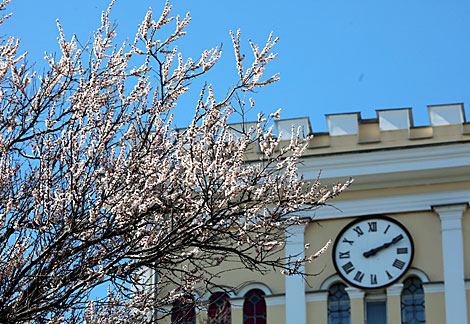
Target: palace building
{"points": [[400, 251]]}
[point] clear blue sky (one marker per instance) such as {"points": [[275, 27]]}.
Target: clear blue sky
{"points": [[334, 55]]}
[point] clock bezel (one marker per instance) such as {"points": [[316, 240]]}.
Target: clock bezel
{"points": [[365, 218]]}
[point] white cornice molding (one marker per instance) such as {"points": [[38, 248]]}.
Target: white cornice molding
{"points": [[389, 204], [314, 296], [394, 290], [253, 285], [414, 272], [330, 281], [295, 234], [229, 291], [354, 292], [275, 300], [433, 287], [451, 216], [237, 302], [381, 162]]}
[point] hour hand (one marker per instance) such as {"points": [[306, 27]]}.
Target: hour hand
{"points": [[375, 250]]}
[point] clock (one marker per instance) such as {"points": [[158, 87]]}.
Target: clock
{"points": [[373, 252]]}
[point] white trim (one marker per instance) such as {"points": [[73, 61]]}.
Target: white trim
{"points": [[354, 292], [284, 127], [343, 124], [388, 204], [394, 290], [253, 285], [386, 161], [394, 119], [330, 281], [295, 233], [375, 297], [275, 300], [417, 273], [440, 115], [237, 302], [296, 312], [315, 296], [433, 287], [453, 261], [208, 294]]}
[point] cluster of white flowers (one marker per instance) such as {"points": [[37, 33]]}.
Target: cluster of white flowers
{"points": [[97, 185]]}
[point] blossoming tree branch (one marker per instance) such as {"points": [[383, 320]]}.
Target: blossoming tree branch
{"points": [[98, 188]]}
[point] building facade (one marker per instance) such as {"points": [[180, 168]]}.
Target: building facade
{"points": [[400, 235]]}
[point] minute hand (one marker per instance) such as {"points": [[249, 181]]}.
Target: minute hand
{"points": [[383, 246]]}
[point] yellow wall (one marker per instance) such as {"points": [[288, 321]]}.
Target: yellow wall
{"points": [[276, 314], [435, 308], [317, 312]]}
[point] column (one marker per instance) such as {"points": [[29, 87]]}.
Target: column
{"points": [[295, 285], [453, 258], [394, 304], [356, 298]]}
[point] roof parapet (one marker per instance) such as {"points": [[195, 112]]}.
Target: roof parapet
{"points": [[343, 124], [237, 129], [284, 127], [394, 119], [442, 115]]}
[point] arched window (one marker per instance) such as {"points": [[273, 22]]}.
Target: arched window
{"points": [[412, 302], [254, 307], [183, 312], [339, 311], [219, 309]]}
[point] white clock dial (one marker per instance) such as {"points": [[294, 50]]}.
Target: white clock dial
{"points": [[373, 252]]}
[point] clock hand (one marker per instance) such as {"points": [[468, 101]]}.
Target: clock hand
{"points": [[373, 251]]}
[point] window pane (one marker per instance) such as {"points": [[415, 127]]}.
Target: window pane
{"points": [[183, 312], [254, 307], [376, 312], [412, 302], [219, 309], [338, 305]]}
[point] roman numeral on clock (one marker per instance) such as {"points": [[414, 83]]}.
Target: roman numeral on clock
{"points": [[348, 267], [402, 250], [358, 277], [390, 277], [358, 230], [345, 240], [386, 230], [344, 255], [372, 226], [398, 264], [373, 279]]}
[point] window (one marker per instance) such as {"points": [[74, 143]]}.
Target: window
{"points": [[219, 309], [183, 312], [412, 302], [339, 311], [254, 307], [376, 312]]}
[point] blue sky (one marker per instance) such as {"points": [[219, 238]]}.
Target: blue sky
{"points": [[334, 56]]}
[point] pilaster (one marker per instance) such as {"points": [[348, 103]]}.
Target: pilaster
{"points": [[453, 258], [295, 285], [356, 298]]}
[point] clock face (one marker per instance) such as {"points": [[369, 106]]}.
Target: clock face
{"points": [[373, 252]]}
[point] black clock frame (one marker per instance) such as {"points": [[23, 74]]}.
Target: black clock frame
{"points": [[361, 219]]}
